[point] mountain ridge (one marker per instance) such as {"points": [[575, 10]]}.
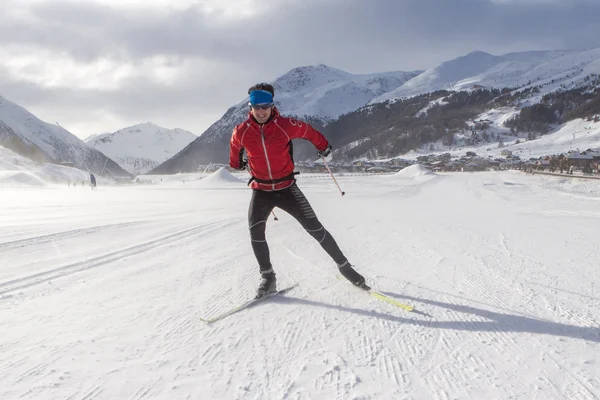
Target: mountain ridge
{"points": [[141, 147], [23, 132]]}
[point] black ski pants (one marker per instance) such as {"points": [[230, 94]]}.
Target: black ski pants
{"points": [[292, 201]]}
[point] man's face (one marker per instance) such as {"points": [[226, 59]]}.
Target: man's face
{"points": [[261, 112]]}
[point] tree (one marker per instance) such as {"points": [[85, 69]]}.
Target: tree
{"points": [[449, 139]]}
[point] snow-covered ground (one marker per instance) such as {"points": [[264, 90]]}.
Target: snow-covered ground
{"points": [[101, 293]]}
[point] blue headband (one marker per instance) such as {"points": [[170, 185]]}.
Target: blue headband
{"points": [[260, 97]]}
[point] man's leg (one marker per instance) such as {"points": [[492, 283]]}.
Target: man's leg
{"points": [[293, 201], [261, 206]]}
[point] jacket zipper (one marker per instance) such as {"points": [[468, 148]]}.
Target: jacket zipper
{"points": [[262, 137]]}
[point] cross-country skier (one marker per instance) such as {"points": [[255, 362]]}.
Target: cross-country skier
{"points": [[267, 138]]}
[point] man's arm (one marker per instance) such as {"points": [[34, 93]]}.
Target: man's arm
{"points": [[301, 130], [236, 152]]}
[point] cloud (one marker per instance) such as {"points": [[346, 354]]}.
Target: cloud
{"points": [[184, 62]]}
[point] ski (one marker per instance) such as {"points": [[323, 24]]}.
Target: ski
{"points": [[247, 304], [381, 296]]}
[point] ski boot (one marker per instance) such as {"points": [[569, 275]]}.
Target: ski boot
{"points": [[354, 277], [268, 285]]}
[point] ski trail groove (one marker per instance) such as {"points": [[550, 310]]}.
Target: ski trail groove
{"points": [[60, 272], [89, 393], [145, 390], [37, 240]]}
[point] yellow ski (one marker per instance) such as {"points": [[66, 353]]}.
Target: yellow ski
{"points": [[388, 299], [381, 296]]}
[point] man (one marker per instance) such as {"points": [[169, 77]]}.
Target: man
{"points": [[93, 181], [266, 137]]}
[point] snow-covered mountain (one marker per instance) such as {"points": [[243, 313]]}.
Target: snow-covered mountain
{"points": [[141, 147], [325, 93], [316, 92], [325, 96], [26, 134], [94, 135], [549, 68]]}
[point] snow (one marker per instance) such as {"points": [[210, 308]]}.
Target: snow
{"points": [[219, 179], [413, 171], [578, 134], [102, 292], [498, 116], [438, 102], [19, 178], [140, 148]]}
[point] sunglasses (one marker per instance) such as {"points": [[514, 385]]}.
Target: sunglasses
{"points": [[261, 106]]}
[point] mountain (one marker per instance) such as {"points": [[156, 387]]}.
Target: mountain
{"points": [[29, 136], [139, 148], [324, 93], [444, 75], [506, 99], [20, 171], [94, 135], [411, 110], [319, 94], [479, 69]]}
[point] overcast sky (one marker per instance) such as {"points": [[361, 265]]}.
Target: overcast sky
{"points": [[99, 65]]}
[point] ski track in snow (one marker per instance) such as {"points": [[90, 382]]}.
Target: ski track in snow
{"points": [[62, 271], [110, 308]]}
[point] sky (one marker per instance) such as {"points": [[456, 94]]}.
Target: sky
{"points": [[97, 66]]}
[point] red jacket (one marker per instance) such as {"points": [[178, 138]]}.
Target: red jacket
{"points": [[269, 148]]}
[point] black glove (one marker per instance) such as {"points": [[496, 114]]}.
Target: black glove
{"points": [[243, 165], [325, 152]]}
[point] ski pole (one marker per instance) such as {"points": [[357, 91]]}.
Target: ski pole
{"points": [[331, 173]]}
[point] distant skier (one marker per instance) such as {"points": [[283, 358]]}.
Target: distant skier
{"points": [[266, 137], [93, 181]]}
